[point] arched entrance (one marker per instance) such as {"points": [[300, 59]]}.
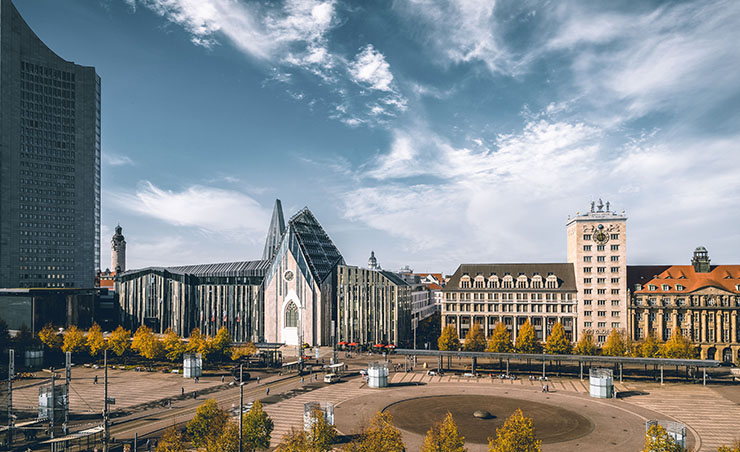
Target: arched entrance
{"points": [[711, 353], [727, 355], [290, 323]]}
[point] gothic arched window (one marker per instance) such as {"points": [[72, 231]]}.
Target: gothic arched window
{"points": [[291, 316]]}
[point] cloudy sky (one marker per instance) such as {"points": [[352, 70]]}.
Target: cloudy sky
{"points": [[432, 132]]}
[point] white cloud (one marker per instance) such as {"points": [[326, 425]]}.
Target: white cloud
{"points": [[293, 33], [371, 69], [209, 209], [501, 203], [116, 159]]}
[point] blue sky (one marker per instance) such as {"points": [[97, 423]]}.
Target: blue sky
{"points": [[432, 132]]}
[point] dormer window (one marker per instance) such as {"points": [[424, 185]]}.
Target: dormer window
{"points": [[638, 286], [679, 287], [666, 287], [652, 287]]}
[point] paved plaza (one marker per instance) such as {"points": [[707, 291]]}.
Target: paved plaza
{"points": [[618, 424]]}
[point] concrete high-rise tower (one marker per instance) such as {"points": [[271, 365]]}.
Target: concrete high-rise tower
{"points": [[597, 242], [49, 163], [118, 251]]}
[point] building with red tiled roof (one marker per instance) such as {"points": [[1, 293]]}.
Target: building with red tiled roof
{"points": [[700, 299]]}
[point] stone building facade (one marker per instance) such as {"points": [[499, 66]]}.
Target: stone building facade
{"points": [[50, 163], [373, 306], [701, 300], [511, 293], [597, 248]]}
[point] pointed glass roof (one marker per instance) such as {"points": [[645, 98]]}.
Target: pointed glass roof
{"points": [[275, 231], [320, 252]]}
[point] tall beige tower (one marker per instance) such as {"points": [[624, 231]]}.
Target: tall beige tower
{"points": [[118, 251], [597, 249]]}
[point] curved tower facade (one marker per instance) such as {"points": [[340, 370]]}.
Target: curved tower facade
{"points": [[118, 251], [49, 162]]}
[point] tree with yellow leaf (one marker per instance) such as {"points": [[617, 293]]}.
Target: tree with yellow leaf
{"points": [[557, 342], [586, 345], [221, 342], [500, 340], [649, 348], [146, 343], [172, 441], [678, 347], [615, 344], [49, 336], [74, 340], [381, 434], [444, 437], [658, 440], [242, 351], [475, 339], [119, 341], [196, 341], [174, 346], [733, 448], [95, 340], [449, 340], [526, 340], [516, 435]]}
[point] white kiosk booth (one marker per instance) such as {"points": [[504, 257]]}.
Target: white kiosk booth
{"points": [[602, 383]]}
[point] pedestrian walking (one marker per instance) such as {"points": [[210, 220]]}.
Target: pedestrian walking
{"points": [[182, 391], [148, 445], [258, 379], [268, 391], [95, 380], [222, 378]]}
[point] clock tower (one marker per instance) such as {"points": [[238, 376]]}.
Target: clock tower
{"points": [[597, 249]]}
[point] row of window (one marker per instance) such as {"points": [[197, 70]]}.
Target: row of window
{"points": [[36, 208], [601, 247], [454, 307], [519, 296], [36, 199], [600, 302], [32, 216], [599, 291], [601, 325], [682, 301], [601, 258], [41, 174], [600, 313], [603, 270]]}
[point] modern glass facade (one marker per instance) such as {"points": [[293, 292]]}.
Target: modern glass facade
{"points": [[49, 163]]}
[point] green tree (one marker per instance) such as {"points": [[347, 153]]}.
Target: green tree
{"points": [[658, 440], [95, 341], [174, 346], [120, 341], [649, 348], [243, 351], [526, 340], [678, 347], [586, 345], [319, 438], [615, 345], [500, 340], [147, 344], [381, 434], [74, 340], [557, 342], [172, 441], [516, 435], [49, 337], [444, 437], [256, 428], [475, 340], [208, 422], [448, 340]]}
